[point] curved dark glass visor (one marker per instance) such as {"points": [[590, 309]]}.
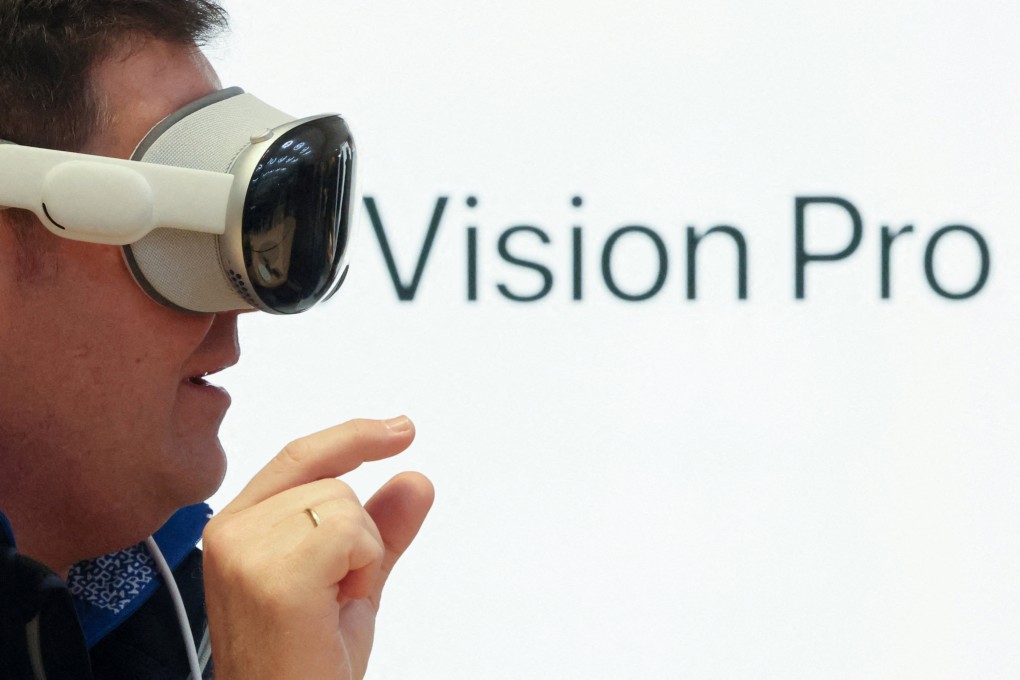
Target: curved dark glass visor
{"points": [[298, 214]]}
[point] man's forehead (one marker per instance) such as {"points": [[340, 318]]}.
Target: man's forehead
{"points": [[142, 83]]}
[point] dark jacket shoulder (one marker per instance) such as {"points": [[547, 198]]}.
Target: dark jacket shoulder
{"points": [[40, 634]]}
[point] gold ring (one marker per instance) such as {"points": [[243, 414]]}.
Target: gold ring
{"points": [[313, 515]]}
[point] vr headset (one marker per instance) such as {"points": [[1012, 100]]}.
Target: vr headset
{"points": [[225, 204]]}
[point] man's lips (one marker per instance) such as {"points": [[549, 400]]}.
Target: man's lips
{"points": [[199, 377], [198, 387]]}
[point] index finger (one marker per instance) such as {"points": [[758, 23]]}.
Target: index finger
{"points": [[327, 454]]}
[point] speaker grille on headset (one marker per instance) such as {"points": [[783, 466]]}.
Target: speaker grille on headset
{"points": [[182, 268]]}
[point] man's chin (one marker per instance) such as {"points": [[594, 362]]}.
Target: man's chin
{"points": [[213, 471], [200, 410], [197, 471]]}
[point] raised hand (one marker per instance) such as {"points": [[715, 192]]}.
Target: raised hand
{"points": [[295, 565]]}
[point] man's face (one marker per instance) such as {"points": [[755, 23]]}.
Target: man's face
{"points": [[99, 414]]}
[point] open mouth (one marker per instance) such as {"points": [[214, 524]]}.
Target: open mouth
{"points": [[200, 379]]}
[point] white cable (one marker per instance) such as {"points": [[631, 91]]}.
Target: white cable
{"points": [[182, 615], [205, 649]]}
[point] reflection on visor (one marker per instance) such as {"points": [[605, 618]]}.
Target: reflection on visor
{"points": [[297, 217], [271, 251]]}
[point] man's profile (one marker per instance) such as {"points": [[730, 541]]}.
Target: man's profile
{"points": [[109, 429]]}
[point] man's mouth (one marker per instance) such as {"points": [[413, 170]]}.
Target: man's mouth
{"points": [[199, 379], [197, 373]]}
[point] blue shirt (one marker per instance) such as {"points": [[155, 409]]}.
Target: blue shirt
{"points": [[109, 589]]}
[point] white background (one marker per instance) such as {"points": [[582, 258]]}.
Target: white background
{"points": [[768, 488]]}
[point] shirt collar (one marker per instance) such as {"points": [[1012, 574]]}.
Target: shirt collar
{"points": [[107, 590]]}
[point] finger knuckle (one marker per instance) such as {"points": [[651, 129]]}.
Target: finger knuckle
{"points": [[364, 428], [336, 488], [378, 552], [295, 453], [346, 528]]}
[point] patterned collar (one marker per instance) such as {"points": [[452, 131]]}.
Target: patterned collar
{"points": [[109, 589]]}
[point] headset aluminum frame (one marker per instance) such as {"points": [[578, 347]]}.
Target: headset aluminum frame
{"points": [[232, 240]]}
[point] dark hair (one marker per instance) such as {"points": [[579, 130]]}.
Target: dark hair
{"points": [[49, 47]]}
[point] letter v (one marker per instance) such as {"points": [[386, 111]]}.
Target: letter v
{"points": [[405, 291]]}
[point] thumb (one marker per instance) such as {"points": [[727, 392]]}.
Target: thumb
{"points": [[398, 510]]}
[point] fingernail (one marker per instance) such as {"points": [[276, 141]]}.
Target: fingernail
{"points": [[398, 424]]}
